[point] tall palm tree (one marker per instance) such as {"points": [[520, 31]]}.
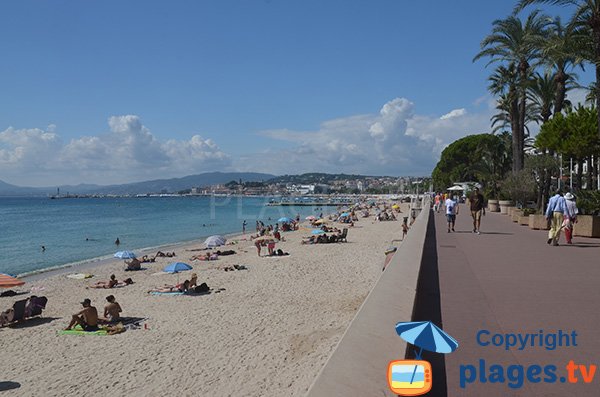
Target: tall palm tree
{"points": [[503, 83], [560, 51], [586, 18], [516, 43], [542, 95]]}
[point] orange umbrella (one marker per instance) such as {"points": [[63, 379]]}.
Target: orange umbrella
{"points": [[7, 281]]}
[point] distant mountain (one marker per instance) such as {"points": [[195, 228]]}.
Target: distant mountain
{"points": [[172, 185], [177, 184]]}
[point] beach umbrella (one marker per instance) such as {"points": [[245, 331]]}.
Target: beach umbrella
{"points": [[125, 255], [284, 220], [426, 335], [310, 218], [455, 188], [8, 281], [177, 267], [215, 241], [317, 231], [344, 215]]}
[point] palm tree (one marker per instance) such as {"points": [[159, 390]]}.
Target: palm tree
{"points": [[560, 51], [542, 95], [587, 19], [516, 43]]}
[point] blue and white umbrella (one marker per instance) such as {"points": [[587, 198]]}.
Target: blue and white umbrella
{"points": [[317, 231], [284, 219], [215, 241], [125, 255], [177, 267], [426, 335]]}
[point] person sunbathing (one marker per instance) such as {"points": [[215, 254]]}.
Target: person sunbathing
{"points": [[111, 311], [86, 318], [134, 264], [106, 284], [183, 287], [146, 259]]}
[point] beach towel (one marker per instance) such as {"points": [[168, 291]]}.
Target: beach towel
{"points": [[79, 276], [79, 331]]}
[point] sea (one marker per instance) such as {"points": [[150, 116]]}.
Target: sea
{"points": [[82, 230]]}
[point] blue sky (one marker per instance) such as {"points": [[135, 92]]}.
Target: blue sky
{"points": [[119, 91]]}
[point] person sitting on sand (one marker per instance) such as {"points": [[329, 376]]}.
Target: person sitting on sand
{"points": [[183, 287], [86, 318], [106, 284], [193, 281], [111, 311], [134, 264]]}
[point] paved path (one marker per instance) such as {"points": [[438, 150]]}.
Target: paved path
{"points": [[508, 280]]}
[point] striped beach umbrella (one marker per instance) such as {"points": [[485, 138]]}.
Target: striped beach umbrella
{"points": [[7, 281], [426, 335]]}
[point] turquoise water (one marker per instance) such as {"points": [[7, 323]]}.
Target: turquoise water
{"points": [[63, 226]]}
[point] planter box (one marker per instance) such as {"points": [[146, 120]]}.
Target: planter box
{"points": [[504, 204], [587, 226], [493, 206], [523, 220], [516, 214], [538, 222]]}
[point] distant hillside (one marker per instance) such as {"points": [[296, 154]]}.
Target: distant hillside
{"points": [[314, 177], [155, 186], [177, 184]]}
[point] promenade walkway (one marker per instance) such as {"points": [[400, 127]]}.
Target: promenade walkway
{"points": [[509, 281]]}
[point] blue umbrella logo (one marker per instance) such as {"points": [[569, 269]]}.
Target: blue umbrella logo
{"points": [[426, 335]]}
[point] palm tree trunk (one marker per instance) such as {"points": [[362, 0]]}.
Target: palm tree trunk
{"points": [[561, 91], [514, 126]]}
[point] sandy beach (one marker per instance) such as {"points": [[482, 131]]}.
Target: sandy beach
{"points": [[268, 333]]}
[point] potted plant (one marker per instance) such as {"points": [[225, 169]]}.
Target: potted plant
{"points": [[538, 221], [588, 221], [504, 202]]}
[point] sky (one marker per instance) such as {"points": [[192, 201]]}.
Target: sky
{"points": [[121, 91]]}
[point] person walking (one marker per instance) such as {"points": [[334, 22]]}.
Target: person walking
{"points": [[476, 203], [571, 219], [451, 212], [557, 209], [244, 227]]}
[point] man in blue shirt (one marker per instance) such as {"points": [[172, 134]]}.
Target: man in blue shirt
{"points": [[556, 211]]}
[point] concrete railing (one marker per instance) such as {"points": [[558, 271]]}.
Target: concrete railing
{"points": [[358, 366]]}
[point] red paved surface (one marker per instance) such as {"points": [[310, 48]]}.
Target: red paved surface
{"points": [[508, 280]]}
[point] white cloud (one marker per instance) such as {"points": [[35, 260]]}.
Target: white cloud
{"points": [[396, 141], [127, 152]]}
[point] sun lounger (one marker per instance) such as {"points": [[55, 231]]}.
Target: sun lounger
{"points": [[24, 309]]}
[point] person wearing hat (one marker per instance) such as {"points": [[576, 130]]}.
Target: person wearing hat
{"points": [[86, 318], [555, 213], [571, 218]]}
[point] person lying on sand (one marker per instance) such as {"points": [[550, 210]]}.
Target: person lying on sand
{"points": [[224, 253], [183, 287], [111, 311], [86, 318], [205, 257], [146, 259], [161, 254], [106, 284]]}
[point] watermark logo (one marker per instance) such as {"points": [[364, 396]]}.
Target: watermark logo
{"points": [[414, 377], [409, 377]]}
